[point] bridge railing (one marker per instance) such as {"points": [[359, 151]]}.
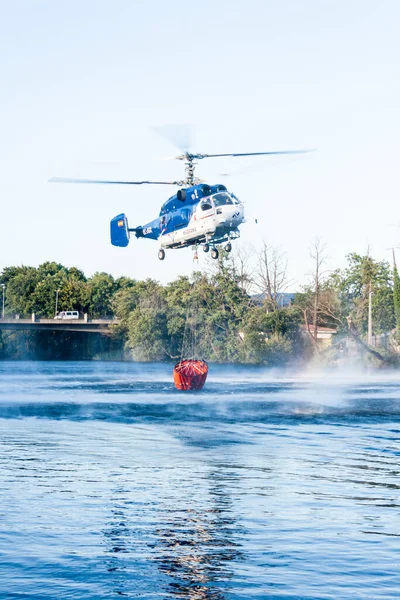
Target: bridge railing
{"points": [[35, 319], [88, 325]]}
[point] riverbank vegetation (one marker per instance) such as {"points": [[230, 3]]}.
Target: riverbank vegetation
{"points": [[239, 308]]}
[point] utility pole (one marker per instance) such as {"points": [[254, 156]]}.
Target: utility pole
{"points": [[4, 287], [370, 315], [56, 302]]}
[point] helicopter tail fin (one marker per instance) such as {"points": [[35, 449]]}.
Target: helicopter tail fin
{"points": [[119, 230]]}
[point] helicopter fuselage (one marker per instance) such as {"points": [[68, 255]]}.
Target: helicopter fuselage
{"points": [[212, 221], [200, 214]]}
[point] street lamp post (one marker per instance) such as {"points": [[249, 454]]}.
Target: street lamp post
{"points": [[56, 302], [4, 287]]}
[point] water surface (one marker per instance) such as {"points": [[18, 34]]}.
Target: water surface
{"points": [[263, 485]]}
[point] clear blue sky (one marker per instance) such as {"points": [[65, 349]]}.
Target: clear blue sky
{"points": [[83, 82]]}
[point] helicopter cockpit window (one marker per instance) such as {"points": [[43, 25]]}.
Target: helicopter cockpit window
{"points": [[206, 204], [222, 199], [235, 199]]}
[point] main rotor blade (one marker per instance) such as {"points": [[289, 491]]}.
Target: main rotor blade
{"points": [[102, 181], [199, 156]]}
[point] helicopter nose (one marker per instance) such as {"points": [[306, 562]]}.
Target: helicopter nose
{"points": [[230, 214]]}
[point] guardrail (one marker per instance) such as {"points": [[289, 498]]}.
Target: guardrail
{"points": [[34, 323]]}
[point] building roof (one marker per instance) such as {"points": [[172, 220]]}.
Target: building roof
{"points": [[283, 299]]}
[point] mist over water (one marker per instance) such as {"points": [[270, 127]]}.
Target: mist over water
{"points": [[265, 484]]}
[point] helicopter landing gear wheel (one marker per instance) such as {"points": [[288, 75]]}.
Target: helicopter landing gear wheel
{"points": [[206, 247], [228, 247], [214, 253], [161, 254]]}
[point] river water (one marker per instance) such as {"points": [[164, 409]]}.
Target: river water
{"points": [[264, 485]]}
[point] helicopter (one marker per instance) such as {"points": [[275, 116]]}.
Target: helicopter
{"points": [[198, 214]]}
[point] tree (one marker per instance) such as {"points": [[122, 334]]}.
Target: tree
{"points": [[317, 301], [20, 285], [343, 299], [181, 298], [100, 290], [72, 295], [318, 254], [30, 290], [271, 276], [243, 267], [51, 269], [396, 294], [147, 328], [125, 283], [353, 284], [229, 325], [271, 337]]}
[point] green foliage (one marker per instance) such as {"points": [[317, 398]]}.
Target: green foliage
{"points": [[343, 297], [30, 290], [396, 296], [229, 326], [100, 290], [272, 337], [20, 285], [353, 285], [147, 329], [34, 290], [220, 306], [152, 319], [283, 321], [155, 317], [179, 297], [330, 310]]}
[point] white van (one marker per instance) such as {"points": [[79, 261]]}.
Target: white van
{"points": [[67, 314]]}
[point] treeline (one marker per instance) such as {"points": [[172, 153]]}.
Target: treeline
{"points": [[34, 290], [51, 287], [237, 311]]}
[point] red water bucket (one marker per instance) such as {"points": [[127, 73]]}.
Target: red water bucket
{"points": [[190, 374]]}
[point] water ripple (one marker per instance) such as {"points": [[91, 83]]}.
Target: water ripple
{"points": [[264, 485]]}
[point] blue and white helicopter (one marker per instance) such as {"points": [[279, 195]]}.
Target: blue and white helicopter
{"points": [[198, 214]]}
